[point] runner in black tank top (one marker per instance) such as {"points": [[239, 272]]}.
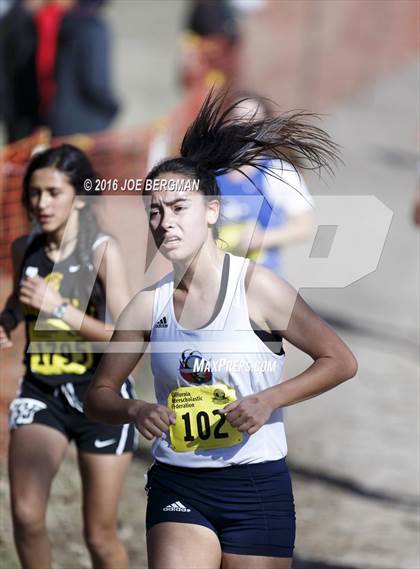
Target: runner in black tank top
{"points": [[60, 271], [57, 362]]}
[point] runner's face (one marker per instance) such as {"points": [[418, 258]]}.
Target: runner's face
{"points": [[51, 198], [181, 220]]}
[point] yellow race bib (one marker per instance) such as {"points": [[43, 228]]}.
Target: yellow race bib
{"points": [[58, 350], [231, 233], [199, 423]]}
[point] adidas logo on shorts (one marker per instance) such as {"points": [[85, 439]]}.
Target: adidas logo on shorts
{"points": [[176, 507], [162, 323]]}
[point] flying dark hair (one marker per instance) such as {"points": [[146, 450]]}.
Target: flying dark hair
{"points": [[216, 143], [74, 163]]}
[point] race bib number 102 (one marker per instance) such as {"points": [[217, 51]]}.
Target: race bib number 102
{"points": [[199, 423]]}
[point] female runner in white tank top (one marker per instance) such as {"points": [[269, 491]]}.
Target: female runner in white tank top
{"points": [[219, 491]]}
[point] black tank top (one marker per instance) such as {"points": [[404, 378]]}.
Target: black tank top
{"points": [[58, 354]]}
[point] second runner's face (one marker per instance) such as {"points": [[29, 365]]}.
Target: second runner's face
{"points": [[51, 198], [181, 220]]}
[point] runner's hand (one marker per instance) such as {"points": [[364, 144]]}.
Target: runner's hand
{"points": [[248, 414], [5, 341], [36, 292], [153, 420]]}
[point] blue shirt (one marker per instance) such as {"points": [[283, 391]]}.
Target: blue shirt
{"points": [[242, 205]]}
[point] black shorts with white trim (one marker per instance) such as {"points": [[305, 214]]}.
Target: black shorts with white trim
{"points": [[61, 408]]}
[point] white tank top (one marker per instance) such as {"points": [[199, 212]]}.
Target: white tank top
{"points": [[236, 357]]}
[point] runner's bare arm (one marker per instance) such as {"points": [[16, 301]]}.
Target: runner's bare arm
{"points": [[108, 259], [276, 306], [103, 402], [285, 310], [111, 271], [12, 315], [35, 292]]}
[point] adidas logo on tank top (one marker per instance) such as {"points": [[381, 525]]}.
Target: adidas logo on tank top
{"points": [[162, 323]]}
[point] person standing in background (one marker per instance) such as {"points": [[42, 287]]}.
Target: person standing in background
{"points": [[84, 101], [19, 96], [209, 43], [261, 214], [48, 21]]}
